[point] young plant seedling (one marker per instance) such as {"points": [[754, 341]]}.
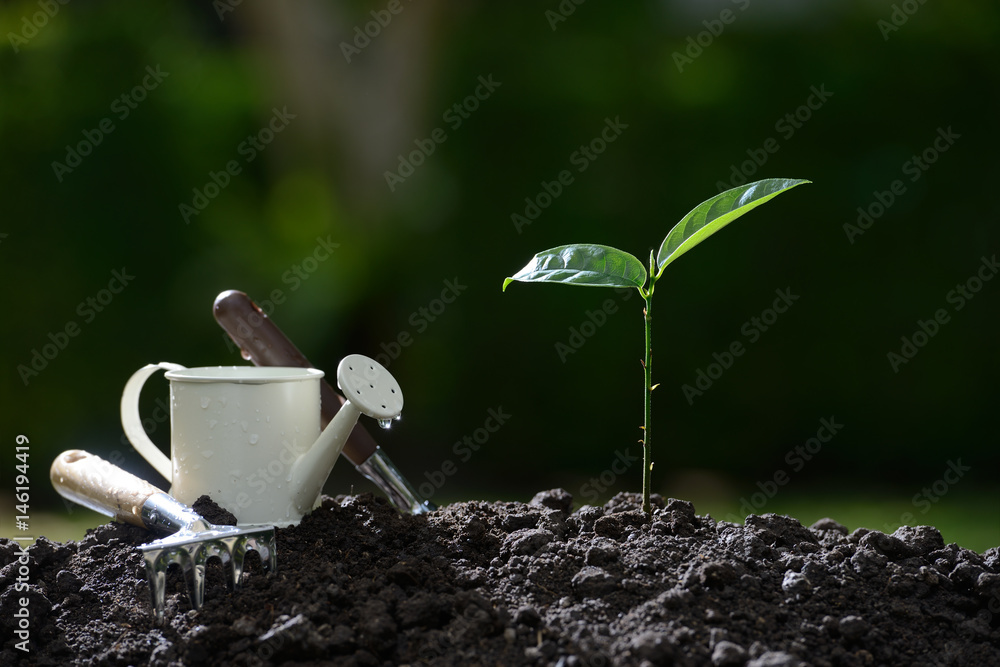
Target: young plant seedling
{"points": [[592, 265]]}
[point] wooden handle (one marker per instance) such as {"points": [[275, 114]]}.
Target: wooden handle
{"points": [[91, 481]]}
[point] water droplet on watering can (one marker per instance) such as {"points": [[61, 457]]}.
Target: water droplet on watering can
{"points": [[208, 453], [205, 400], [254, 438], [244, 426], [385, 423], [244, 354], [212, 423]]}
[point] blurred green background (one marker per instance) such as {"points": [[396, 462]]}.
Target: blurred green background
{"points": [[703, 93]]}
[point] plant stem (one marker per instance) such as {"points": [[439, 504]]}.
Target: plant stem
{"points": [[647, 447]]}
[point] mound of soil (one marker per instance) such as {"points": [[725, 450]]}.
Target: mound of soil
{"points": [[503, 583]]}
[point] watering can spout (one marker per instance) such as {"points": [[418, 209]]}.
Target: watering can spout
{"points": [[369, 389]]}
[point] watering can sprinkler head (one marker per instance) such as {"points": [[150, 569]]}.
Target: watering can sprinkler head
{"points": [[369, 389]]}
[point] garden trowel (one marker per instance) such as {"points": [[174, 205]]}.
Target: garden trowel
{"points": [[263, 343]]}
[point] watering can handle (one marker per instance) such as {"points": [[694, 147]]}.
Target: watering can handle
{"points": [[91, 481], [132, 423]]}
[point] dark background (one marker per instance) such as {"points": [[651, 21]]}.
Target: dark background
{"points": [[688, 128]]}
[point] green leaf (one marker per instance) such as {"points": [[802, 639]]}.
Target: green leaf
{"points": [[712, 215], [584, 264]]}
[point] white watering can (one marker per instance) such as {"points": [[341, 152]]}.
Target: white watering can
{"points": [[249, 436]]}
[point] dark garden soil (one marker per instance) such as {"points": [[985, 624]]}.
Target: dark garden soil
{"points": [[482, 583]]}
